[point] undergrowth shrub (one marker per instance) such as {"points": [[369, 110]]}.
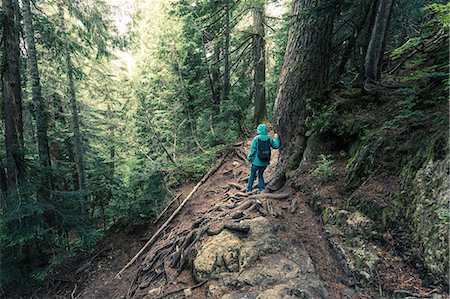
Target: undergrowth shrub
{"points": [[325, 169]]}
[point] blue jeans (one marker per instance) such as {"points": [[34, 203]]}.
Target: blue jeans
{"points": [[251, 179]]}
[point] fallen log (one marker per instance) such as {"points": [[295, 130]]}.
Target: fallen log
{"points": [[175, 213]]}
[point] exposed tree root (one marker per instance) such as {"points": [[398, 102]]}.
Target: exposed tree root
{"points": [[234, 227], [270, 196]]}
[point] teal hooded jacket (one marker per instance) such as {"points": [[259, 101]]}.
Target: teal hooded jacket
{"points": [[262, 134]]}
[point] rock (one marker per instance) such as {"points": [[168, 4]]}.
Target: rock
{"points": [[359, 225], [274, 270], [245, 295], [358, 259], [284, 291], [430, 218], [215, 291], [187, 293], [257, 261], [154, 292], [409, 295], [226, 252], [352, 224]]}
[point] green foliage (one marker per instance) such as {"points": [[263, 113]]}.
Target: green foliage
{"points": [[325, 169], [334, 118], [408, 111], [146, 197], [431, 39], [35, 236]]}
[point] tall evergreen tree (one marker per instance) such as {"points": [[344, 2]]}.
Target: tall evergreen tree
{"points": [[304, 76], [12, 96], [41, 113], [375, 50], [79, 154], [259, 63], [226, 83]]}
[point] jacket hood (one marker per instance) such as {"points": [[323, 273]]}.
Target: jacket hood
{"points": [[262, 130]]}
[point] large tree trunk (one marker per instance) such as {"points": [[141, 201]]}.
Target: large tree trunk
{"points": [[226, 75], [259, 64], [374, 55], [12, 97], [304, 76], [78, 147], [40, 109]]}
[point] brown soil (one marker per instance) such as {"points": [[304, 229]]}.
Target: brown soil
{"points": [[92, 276]]}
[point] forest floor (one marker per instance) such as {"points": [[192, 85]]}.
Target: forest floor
{"points": [[314, 267]]}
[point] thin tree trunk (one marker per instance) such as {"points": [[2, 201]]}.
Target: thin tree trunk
{"points": [[28, 116], [374, 53], [385, 39], [353, 37], [360, 55], [40, 109], [112, 148], [216, 76], [78, 147], [213, 70], [226, 83], [3, 184], [304, 76], [12, 97], [65, 153], [188, 109], [76, 126], [259, 64]]}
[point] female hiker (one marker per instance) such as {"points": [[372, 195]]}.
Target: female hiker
{"points": [[259, 155]]}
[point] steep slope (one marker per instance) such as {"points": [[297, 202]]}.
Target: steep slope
{"points": [[227, 244]]}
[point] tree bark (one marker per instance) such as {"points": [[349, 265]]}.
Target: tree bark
{"points": [[226, 83], [304, 76], [12, 97], [40, 109], [78, 146], [259, 64], [374, 55]]}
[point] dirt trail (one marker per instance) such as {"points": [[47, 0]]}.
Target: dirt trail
{"points": [[297, 238], [217, 202]]}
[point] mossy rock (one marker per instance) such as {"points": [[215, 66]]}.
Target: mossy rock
{"points": [[430, 216], [227, 252]]}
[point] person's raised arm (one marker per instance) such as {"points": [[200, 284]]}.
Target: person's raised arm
{"points": [[275, 141]]}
